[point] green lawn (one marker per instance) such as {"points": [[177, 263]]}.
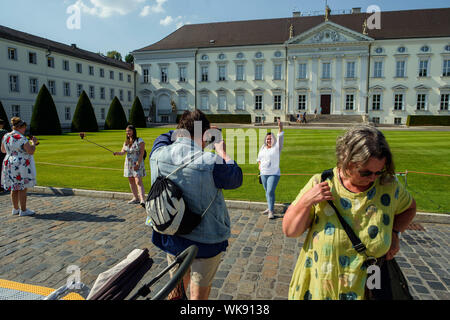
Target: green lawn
{"points": [[305, 152]]}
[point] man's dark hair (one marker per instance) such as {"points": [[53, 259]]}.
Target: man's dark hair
{"points": [[188, 119]]}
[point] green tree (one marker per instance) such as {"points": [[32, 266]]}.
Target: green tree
{"points": [[114, 55], [137, 115], [4, 117], [129, 58], [116, 118], [44, 119], [84, 117]]}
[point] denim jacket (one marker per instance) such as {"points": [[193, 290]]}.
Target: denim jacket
{"points": [[197, 181]]}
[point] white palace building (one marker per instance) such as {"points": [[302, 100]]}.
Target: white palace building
{"points": [[276, 68], [27, 62]]}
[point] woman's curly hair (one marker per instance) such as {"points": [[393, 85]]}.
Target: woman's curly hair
{"points": [[360, 143]]}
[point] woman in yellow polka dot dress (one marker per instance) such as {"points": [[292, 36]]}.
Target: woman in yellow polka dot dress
{"points": [[370, 199]]}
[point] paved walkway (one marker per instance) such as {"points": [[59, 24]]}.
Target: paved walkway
{"points": [[96, 233]]}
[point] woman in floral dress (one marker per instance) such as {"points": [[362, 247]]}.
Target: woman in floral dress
{"points": [[134, 168], [19, 172]]}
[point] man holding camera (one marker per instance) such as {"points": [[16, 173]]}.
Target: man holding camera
{"points": [[202, 182]]}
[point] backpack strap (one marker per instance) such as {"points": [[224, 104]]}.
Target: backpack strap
{"points": [[356, 242], [186, 164]]}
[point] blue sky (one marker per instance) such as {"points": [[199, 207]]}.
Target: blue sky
{"points": [[126, 25]]}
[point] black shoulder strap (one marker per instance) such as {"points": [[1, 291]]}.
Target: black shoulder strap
{"points": [[356, 242]]}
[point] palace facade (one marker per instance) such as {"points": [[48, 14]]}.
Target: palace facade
{"points": [[277, 68]]}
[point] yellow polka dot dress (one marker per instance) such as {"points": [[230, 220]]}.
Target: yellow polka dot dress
{"points": [[328, 267]]}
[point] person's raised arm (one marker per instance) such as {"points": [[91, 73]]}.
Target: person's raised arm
{"points": [[227, 175], [30, 148]]}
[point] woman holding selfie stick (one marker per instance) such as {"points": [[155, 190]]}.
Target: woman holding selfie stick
{"points": [[134, 168], [269, 166], [19, 171]]}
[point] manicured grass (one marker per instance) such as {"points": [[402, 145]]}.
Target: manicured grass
{"points": [[305, 152]]}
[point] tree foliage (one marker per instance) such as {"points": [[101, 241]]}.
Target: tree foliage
{"points": [[116, 118], [84, 117], [45, 120], [114, 55], [4, 117], [137, 115]]}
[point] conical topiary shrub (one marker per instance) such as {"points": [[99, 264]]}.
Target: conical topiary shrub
{"points": [[116, 118], [137, 116], [44, 119], [4, 117], [84, 117]]}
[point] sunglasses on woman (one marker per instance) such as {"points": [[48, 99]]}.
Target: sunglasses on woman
{"points": [[368, 173]]}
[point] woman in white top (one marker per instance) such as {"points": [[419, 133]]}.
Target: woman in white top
{"points": [[134, 168], [269, 166]]}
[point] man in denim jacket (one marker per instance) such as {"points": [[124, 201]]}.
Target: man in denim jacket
{"points": [[202, 182]]}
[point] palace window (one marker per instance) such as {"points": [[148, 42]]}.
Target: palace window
{"points": [[50, 62], [222, 73], [67, 114], [52, 87], [349, 101], [351, 69], [398, 121], [222, 102], [259, 71], [102, 73], [204, 73], [240, 102], [66, 65], [376, 102], [12, 54], [258, 102], [378, 69], [92, 92], [146, 75], [326, 70], [32, 57], [240, 72], [182, 73], [446, 68], [79, 68], [444, 101], [102, 93], [14, 83], [164, 75], [91, 70], [66, 86], [399, 99], [423, 68], [33, 85], [421, 101], [301, 102], [277, 102], [400, 68], [277, 71], [79, 89], [204, 102], [15, 110], [302, 71]]}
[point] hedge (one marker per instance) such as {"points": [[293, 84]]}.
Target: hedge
{"points": [[137, 116], [116, 118], [84, 117], [226, 118], [45, 120], [426, 120], [4, 117]]}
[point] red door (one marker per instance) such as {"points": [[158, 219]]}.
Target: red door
{"points": [[325, 103]]}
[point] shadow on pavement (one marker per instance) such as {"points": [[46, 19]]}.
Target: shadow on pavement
{"points": [[77, 216]]}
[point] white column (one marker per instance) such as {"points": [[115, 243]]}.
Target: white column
{"points": [[363, 83], [315, 95], [337, 96], [290, 84]]}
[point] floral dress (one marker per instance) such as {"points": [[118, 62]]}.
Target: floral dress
{"points": [[19, 171], [131, 158], [328, 267]]}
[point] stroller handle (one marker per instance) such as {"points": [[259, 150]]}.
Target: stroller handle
{"points": [[184, 259]]}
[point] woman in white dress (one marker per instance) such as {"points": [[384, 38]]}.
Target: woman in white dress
{"points": [[134, 168], [19, 171], [269, 166]]}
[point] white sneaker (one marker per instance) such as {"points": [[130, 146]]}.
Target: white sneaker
{"points": [[15, 211], [27, 212], [270, 215], [265, 211]]}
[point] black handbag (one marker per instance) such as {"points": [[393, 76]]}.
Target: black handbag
{"points": [[259, 178], [393, 283]]}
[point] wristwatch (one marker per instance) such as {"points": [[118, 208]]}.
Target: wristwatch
{"points": [[398, 233]]}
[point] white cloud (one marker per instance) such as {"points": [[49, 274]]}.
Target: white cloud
{"points": [[166, 21], [108, 8], [178, 21], [157, 8]]}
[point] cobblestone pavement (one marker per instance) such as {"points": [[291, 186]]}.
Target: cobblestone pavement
{"points": [[95, 234]]}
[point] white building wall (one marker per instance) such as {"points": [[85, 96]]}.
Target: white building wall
{"points": [[40, 71]]}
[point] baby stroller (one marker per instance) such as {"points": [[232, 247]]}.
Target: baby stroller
{"points": [[114, 284]]}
